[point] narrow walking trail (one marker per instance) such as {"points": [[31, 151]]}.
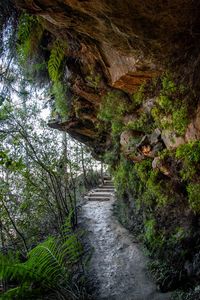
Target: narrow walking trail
{"points": [[117, 267]]}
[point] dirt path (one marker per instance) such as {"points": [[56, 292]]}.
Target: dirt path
{"points": [[117, 267]]}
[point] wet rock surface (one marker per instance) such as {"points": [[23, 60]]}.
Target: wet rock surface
{"points": [[117, 268]]}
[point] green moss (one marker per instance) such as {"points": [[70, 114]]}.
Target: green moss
{"points": [[193, 190], [112, 110], [117, 127], [138, 97], [141, 124], [125, 178], [59, 92], [171, 109], [144, 169], [158, 188], [168, 84], [190, 156], [113, 106], [189, 152], [180, 120]]}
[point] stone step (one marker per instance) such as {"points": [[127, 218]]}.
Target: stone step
{"points": [[106, 187], [105, 190], [102, 194], [108, 182], [97, 198]]}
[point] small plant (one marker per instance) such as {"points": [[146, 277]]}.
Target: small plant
{"points": [[141, 124], [171, 110], [190, 156], [189, 152], [138, 97], [193, 190], [113, 107], [144, 169], [180, 120], [93, 80]]}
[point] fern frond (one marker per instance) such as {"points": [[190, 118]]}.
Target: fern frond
{"points": [[49, 266], [55, 60], [29, 33]]}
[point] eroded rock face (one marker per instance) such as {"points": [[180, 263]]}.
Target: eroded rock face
{"points": [[116, 45]]}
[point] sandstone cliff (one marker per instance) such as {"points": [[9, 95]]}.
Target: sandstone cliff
{"points": [[132, 73]]}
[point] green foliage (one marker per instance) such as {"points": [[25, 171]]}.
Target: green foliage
{"points": [[125, 178], [113, 108], [94, 80], [192, 294], [152, 237], [158, 189], [193, 190], [26, 25], [171, 110], [144, 169], [9, 163], [117, 127], [55, 73], [180, 120], [141, 124], [138, 97], [49, 268], [168, 84], [56, 59], [189, 152], [59, 92], [190, 156], [29, 34]]}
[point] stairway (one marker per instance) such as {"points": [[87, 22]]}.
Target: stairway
{"points": [[103, 193], [117, 268]]}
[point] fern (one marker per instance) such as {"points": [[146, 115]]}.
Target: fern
{"points": [[54, 68], [49, 266], [26, 24], [55, 60], [29, 34], [59, 93]]}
